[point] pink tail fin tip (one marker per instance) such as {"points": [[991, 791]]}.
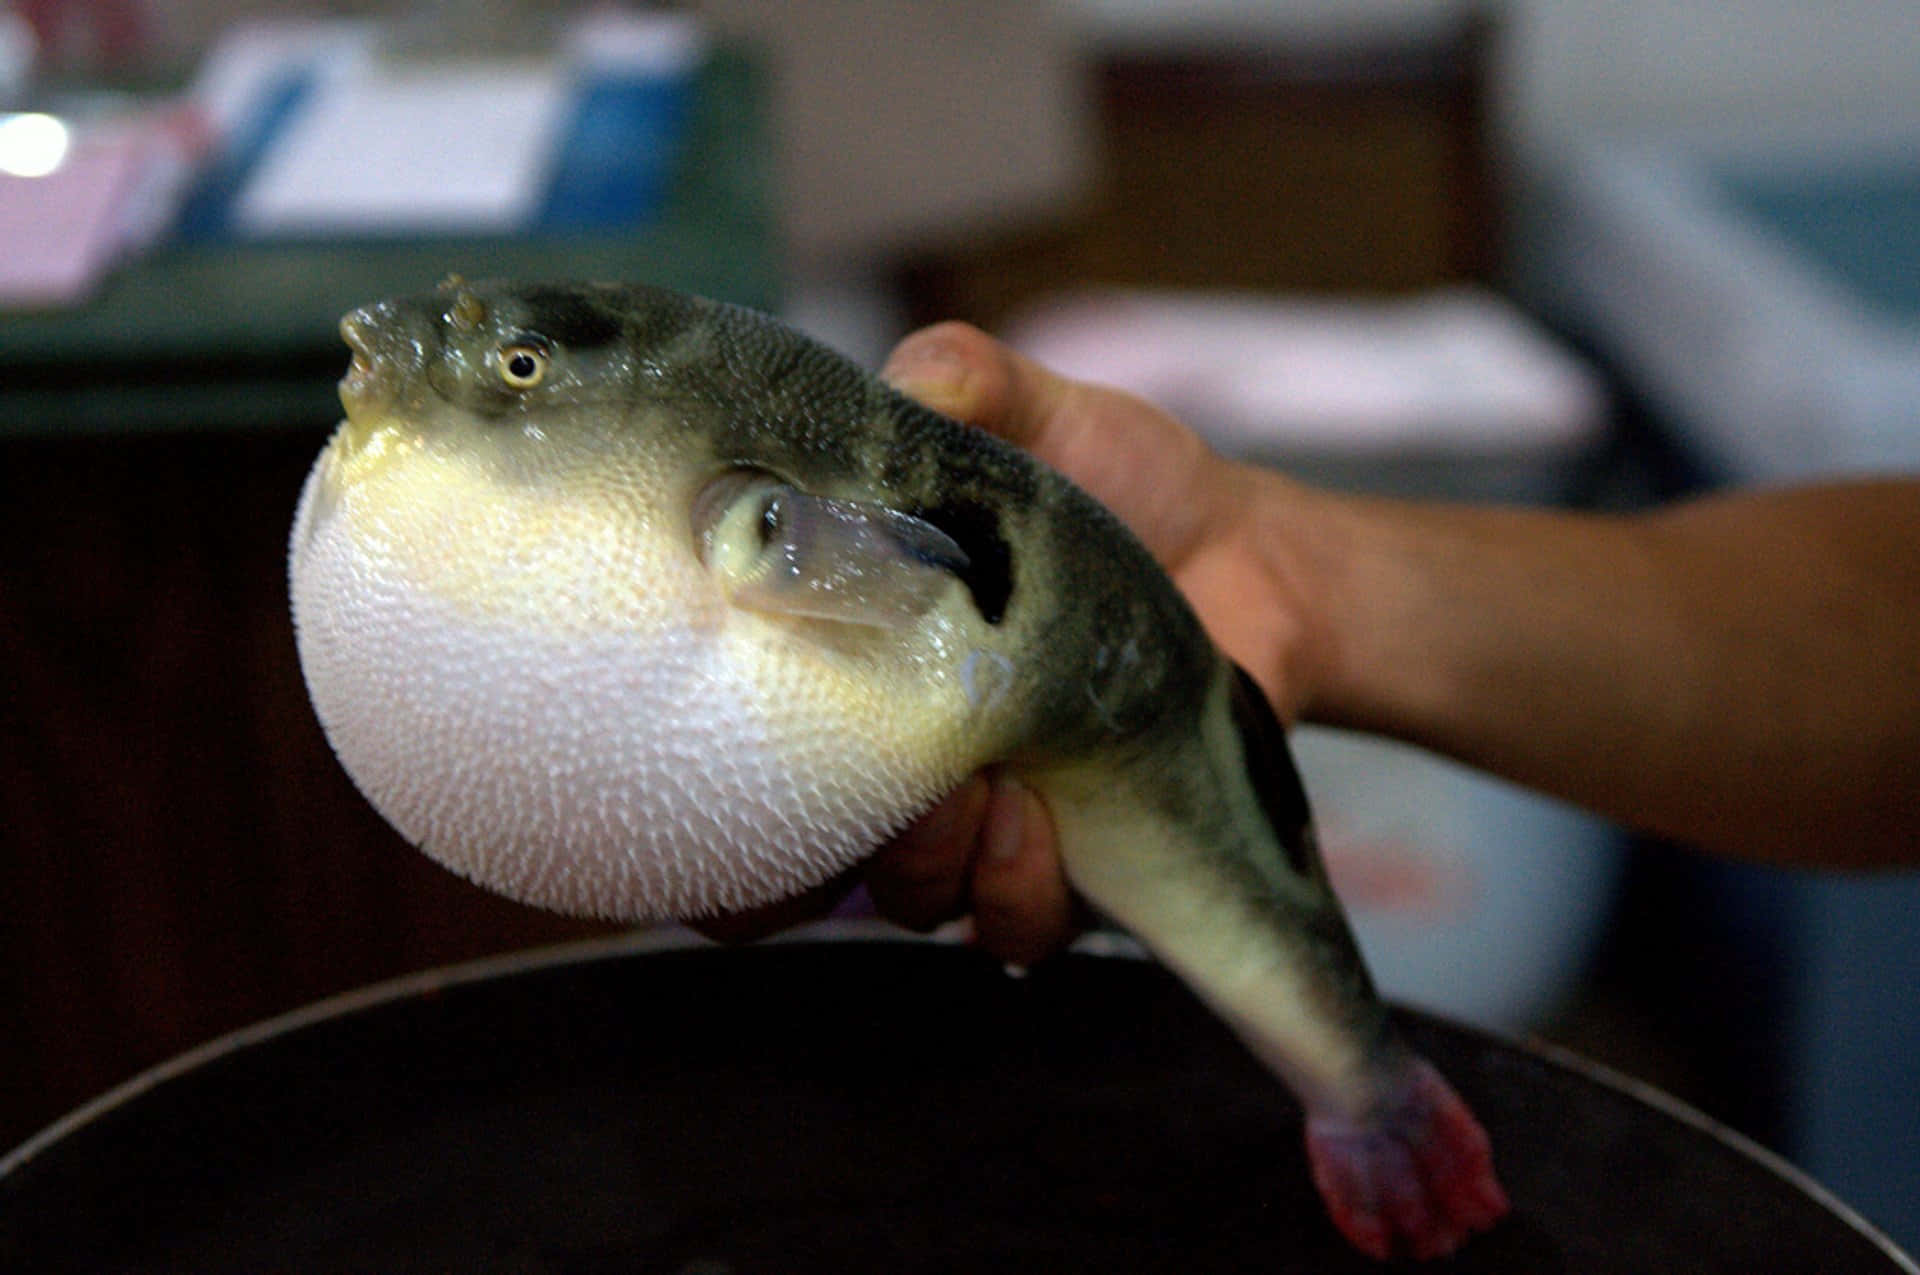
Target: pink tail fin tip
{"points": [[1415, 1180]]}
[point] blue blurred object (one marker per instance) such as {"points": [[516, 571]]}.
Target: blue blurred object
{"points": [[1860, 224], [619, 155], [1856, 1058], [208, 211]]}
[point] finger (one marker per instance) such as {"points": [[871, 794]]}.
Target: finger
{"points": [[920, 878], [953, 368], [750, 924], [957, 369], [1023, 908]]}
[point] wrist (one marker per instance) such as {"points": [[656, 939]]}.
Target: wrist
{"points": [[1356, 577], [1282, 619]]}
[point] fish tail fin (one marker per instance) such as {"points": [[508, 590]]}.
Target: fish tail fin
{"points": [[1413, 1177]]}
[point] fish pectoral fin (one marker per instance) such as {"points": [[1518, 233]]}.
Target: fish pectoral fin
{"points": [[790, 552]]}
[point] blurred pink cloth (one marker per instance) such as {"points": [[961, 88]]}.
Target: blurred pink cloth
{"points": [[1453, 370]]}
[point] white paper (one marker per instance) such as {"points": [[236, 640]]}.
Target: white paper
{"points": [[459, 147]]}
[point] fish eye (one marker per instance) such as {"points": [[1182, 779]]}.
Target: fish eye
{"points": [[522, 365]]}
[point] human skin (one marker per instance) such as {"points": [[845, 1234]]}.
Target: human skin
{"points": [[1740, 673]]}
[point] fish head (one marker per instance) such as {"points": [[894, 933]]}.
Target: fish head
{"points": [[496, 457], [613, 626], [471, 367]]}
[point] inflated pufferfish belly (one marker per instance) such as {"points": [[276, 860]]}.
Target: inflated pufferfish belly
{"points": [[643, 752]]}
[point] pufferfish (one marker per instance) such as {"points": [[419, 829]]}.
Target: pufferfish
{"points": [[632, 604]]}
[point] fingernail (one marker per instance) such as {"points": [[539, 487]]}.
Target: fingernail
{"points": [[1006, 825], [928, 369]]}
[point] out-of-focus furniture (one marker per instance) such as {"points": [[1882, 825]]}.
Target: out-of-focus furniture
{"points": [[242, 334], [1343, 161]]}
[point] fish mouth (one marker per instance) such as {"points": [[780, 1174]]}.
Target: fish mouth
{"points": [[368, 383]]}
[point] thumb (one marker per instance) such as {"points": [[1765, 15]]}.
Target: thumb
{"points": [[957, 369], [1145, 466]]}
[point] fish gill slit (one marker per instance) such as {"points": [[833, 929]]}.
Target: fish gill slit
{"points": [[988, 574]]}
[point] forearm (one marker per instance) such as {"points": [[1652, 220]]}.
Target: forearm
{"points": [[1741, 673]]}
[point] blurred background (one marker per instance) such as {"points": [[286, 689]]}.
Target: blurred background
{"points": [[1573, 252]]}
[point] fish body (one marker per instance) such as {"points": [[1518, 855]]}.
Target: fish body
{"points": [[627, 603]]}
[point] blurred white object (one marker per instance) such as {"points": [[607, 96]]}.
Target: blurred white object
{"points": [[1470, 897], [1370, 393], [33, 144], [634, 42], [1768, 365]]}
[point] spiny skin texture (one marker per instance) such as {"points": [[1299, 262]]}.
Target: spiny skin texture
{"points": [[627, 603]]}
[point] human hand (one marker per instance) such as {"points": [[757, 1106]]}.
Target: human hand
{"points": [[988, 850]]}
